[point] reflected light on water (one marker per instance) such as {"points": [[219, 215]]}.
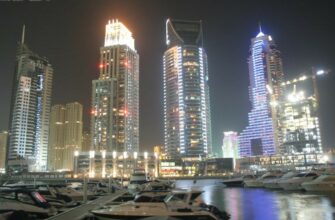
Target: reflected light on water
{"points": [[262, 204]]}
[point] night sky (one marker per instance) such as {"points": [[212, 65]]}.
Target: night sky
{"points": [[70, 33]]}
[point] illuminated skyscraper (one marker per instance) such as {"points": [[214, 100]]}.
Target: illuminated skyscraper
{"points": [[66, 127], [30, 111], [56, 138], [230, 145], [186, 92], [300, 124], [115, 95], [260, 137]]}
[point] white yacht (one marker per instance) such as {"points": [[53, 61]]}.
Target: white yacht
{"points": [[158, 185], [259, 182], [76, 195], [238, 181], [137, 182], [274, 183], [178, 204], [324, 182], [295, 182]]}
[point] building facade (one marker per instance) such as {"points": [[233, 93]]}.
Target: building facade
{"points": [[261, 136], [56, 138], [86, 143], [187, 120], [66, 129], [230, 145], [3, 150], [30, 111], [115, 95], [300, 124]]}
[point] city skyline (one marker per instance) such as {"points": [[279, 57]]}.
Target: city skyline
{"points": [[228, 72]]}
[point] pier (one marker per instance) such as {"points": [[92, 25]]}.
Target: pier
{"points": [[81, 211]]}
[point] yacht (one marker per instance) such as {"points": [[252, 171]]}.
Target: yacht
{"points": [[158, 185], [324, 182], [295, 182], [76, 195], [238, 181], [56, 199], [178, 204], [137, 182], [25, 203], [274, 183], [259, 182]]}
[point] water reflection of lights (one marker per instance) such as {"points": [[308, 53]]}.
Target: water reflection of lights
{"points": [[244, 203]]}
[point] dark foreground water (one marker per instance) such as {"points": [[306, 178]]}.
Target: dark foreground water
{"points": [[246, 203]]}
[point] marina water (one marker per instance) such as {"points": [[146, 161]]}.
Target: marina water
{"points": [[264, 204]]}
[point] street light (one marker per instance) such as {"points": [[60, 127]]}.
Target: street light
{"points": [[76, 154], [114, 163], [135, 160]]}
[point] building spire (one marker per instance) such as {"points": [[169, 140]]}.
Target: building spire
{"points": [[260, 27], [23, 33], [260, 34]]}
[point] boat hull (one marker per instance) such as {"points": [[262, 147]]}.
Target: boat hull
{"points": [[319, 187]]}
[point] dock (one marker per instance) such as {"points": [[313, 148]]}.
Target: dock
{"points": [[81, 211]]}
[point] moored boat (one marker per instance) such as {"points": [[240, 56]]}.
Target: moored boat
{"points": [[259, 182], [295, 182], [238, 181], [322, 183]]}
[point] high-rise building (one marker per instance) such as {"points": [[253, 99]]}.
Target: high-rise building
{"points": [[115, 95], [186, 93], [66, 129], [230, 146], [261, 136], [3, 150], [300, 124], [56, 138], [86, 143], [73, 133], [30, 111]]}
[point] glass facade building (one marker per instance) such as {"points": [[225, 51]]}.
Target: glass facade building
{"points": [[115, 95], [300, 124], [261, 136], [187, 121], [30, 111]]}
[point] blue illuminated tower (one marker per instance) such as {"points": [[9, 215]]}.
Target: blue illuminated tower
{"points": [[186, 92], [261, 136]]}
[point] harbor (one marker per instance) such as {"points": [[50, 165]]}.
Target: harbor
{"points": [[244, 201]]}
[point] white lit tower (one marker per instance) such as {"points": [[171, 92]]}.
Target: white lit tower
{"points": [[187, 118], [115, 95], [30, 111], [261, 136]]}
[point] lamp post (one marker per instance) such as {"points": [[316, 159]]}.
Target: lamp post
{"points": [[146, 162], [156, 164], [92, 164], [103, 157], [135, 160], [123, 165], [75, 169], [114, 163]]}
